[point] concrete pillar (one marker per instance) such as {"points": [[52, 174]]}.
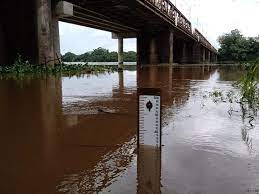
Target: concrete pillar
{"points": [[153, 57], [32, 31], [121, 81], [190, 46], [55, 36], [171, 48], [48, 33], [143, 41], [203, 55], [153, 79], [18, 30], [120, 53], [184, 53], [206, 56], [155, 48], [209, 57], [196, 53], [2, 46], [45, 40]]}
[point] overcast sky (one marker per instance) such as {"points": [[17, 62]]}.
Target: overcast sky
{"points": [[212, 17]]}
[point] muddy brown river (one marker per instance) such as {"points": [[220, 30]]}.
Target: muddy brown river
{"points": [[77, 135]]}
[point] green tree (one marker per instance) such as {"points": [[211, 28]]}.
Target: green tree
{"points": [[113, 56], [86, 57], [235, 47], [99, 55], [69, 57], [130, 56]]}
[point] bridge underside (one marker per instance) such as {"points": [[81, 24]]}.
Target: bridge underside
{"points": [[33, 31]]}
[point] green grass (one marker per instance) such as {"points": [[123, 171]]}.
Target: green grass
{"points": [[248, 86]]}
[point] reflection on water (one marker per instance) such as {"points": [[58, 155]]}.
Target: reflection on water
{"points": [[78, 135]]}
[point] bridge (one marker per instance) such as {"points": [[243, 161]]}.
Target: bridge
{"points": [[164, 34]]}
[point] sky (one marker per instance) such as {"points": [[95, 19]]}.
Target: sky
{"points": [[212, 17]]}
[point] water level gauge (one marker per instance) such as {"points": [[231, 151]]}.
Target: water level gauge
{"points": [[149, 129]]}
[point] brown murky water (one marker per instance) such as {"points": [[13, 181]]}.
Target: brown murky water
{"points": [[78, 135]]}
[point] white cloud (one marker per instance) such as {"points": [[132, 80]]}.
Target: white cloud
{"points": [[212, 17], [216, 17]]}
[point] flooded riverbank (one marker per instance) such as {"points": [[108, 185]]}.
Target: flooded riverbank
{"points": [[78, 135]]}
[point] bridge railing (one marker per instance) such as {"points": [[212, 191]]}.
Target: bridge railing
{"points": [[203, 40], [167, 8]]}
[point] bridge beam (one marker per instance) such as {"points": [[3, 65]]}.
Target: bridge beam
{"points": [[155, 48]]}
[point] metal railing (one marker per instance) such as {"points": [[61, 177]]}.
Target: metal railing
{"points": [[167, 8], [200, 38]]}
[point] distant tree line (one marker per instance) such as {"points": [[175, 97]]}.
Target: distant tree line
{"points": [[99, 55], [238, 48]]}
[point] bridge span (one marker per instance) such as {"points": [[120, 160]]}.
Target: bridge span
{"points": [[164, 34]]}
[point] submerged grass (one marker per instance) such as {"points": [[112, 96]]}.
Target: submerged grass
{"points": [[23, 69], [245, 93]]}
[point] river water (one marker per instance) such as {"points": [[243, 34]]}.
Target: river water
{"points": [[77, 135]]}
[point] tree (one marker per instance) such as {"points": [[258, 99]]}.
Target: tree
{"points": [[130, 56], [86, 57], [69, 57], [99, 55], [235, 47], [113, 56]]}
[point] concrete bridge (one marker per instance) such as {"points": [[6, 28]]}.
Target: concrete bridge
{"points": [[164, 34]]}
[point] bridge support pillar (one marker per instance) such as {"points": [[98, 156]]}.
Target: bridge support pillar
{"points": [[209, 57], [45, 43], [203, 55], [196, 53], [153, 55], [184, 58], [56, 37], [31, 32], [120, 53], [155, 48], [215, 58], [2, 46], [171, 48], [18, 31], [47, 33]]}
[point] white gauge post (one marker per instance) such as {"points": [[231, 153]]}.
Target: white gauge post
{"points": [[149, 117]]}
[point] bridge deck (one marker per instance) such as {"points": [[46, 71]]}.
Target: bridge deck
{"points": [[129, 16]]}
